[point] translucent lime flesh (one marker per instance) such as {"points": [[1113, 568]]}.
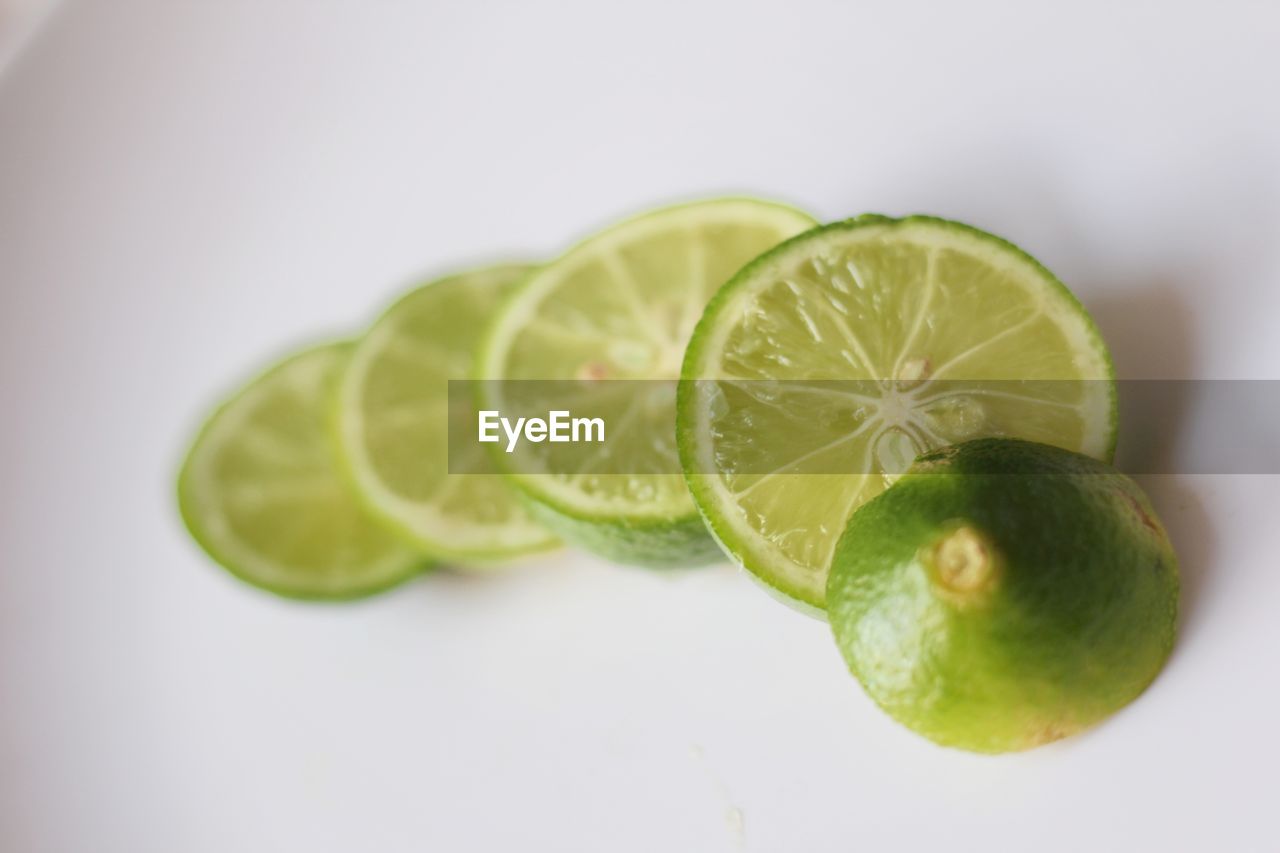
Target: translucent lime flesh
{"points": [[913, 308], [621, 305], [392, 417], [261, 493]]}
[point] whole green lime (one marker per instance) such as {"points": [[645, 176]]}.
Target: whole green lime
{"points": [[1003, 594]]}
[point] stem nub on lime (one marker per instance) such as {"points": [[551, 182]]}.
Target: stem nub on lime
{"points": [[1003, 594]]}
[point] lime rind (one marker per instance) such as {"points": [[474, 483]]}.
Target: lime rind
{"points": [[1054, 626], [675, 543]]}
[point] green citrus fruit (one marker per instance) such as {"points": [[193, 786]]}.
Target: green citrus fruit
{"points": [[1004, 594], [947, 333], [620, 306], [260, 491], [392, 417]]}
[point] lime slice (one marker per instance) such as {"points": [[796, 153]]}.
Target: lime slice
{"points": [[913, 309], [391, 419], [621, 306], [261, 494]]}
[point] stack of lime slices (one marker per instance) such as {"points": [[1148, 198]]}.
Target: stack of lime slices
{"points": [[339, 482], [903, 305], [329, 476]]}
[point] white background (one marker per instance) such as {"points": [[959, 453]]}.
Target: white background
{"points": [[187, 189]]}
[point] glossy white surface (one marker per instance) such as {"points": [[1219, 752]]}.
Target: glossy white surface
{"points": [[18, 18], [188, 188]]}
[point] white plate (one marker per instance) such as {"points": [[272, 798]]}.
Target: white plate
{"points": [[187, 189]]}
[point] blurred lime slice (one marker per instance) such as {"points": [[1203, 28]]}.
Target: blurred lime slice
{"points": [[391, 422], [261, 494]]}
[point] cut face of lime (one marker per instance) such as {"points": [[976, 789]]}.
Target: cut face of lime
{"points": [[261, 493], [621, 305], [950, 333], [391, 420]]}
